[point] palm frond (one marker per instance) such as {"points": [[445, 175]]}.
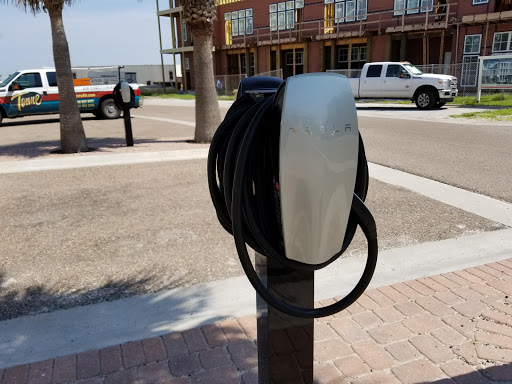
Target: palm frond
{"points": [[36, 6]]}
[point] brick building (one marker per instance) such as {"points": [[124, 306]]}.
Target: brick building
{"points": [[258, 36]]}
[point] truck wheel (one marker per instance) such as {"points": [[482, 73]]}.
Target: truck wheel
{"points": [[109, 110], [426, 99], [1, 118]]}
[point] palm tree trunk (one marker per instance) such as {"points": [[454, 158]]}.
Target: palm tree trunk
{"points": [[72, 135], [207, 104]]}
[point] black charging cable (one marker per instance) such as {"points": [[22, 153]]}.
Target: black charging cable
{"points": [[243, 189]]}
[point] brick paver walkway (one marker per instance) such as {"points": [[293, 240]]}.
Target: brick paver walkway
{"points": [[450, 328]]}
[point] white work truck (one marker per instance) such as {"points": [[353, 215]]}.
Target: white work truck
{"points": [[35, 92], [392, 80]]}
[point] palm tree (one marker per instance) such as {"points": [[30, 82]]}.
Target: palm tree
{"points": [[72, 135], [200, 15]]}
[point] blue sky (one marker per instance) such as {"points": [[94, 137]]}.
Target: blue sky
{"points": [[99, 32]]}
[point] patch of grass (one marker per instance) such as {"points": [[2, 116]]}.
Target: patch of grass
{"points": [[186, 97], [498, 115], [176, 96], [383, 101], [491, 100]]}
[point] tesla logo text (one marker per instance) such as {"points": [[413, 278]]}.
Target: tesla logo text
{"points": [[25, 100]]}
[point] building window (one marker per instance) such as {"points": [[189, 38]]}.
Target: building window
{"points": [[412, 6], [354, 56], [362, 53], [469, 71], [476, 2], [502, 42], [343, 55], [238, 23], [357, 56], [187, 63], [298, 58], [282, 15], [472, 44], [184, 30], [346, 10], [130, 77]]}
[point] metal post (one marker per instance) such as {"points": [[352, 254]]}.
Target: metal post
{"points": [[479, 86], [128, 127], [119, 72], [285, 343], [160, 37]]}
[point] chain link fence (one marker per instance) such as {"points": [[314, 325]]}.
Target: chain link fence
{"points": [[350, 73], [227, 85], [275, 73], [466, 74]]}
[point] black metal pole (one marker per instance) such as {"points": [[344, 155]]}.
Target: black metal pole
{"points": [[128, 127], [285, 343]]}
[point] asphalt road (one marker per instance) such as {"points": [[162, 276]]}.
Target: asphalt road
{"points": [[473, 157], [79, 236]]}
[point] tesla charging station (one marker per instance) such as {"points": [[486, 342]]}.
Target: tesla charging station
{"points": [[124, 97], [288, 177]]}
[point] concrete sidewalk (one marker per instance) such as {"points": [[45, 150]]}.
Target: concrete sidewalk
{"points": [[450, 328]]}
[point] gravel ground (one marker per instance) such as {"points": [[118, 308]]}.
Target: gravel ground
{"points": [[82, 236]]}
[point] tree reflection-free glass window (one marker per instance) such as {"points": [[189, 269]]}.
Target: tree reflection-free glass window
{"points": [[282, 15], [347, 10], [343, 55], [412, 6], [339, 12], [502, 42], [362, 9], [472, 44], [298, 58], [427, 5], [238, 23], [350, 10], [362, 53], [355, 54], [234, 27], [273, 21]]}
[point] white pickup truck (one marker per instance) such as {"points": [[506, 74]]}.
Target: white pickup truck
{"points": [[35, 92], [391, 80]]}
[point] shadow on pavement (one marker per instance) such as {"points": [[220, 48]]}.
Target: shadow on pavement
{"points": [[20, 121], [37, 299], [35, 149], [394, 108], [498, 374]]}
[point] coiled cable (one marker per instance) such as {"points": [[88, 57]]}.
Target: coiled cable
{"points": [[242, 180]]}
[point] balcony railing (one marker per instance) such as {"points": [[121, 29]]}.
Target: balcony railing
{"points": [[426, 18]]}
